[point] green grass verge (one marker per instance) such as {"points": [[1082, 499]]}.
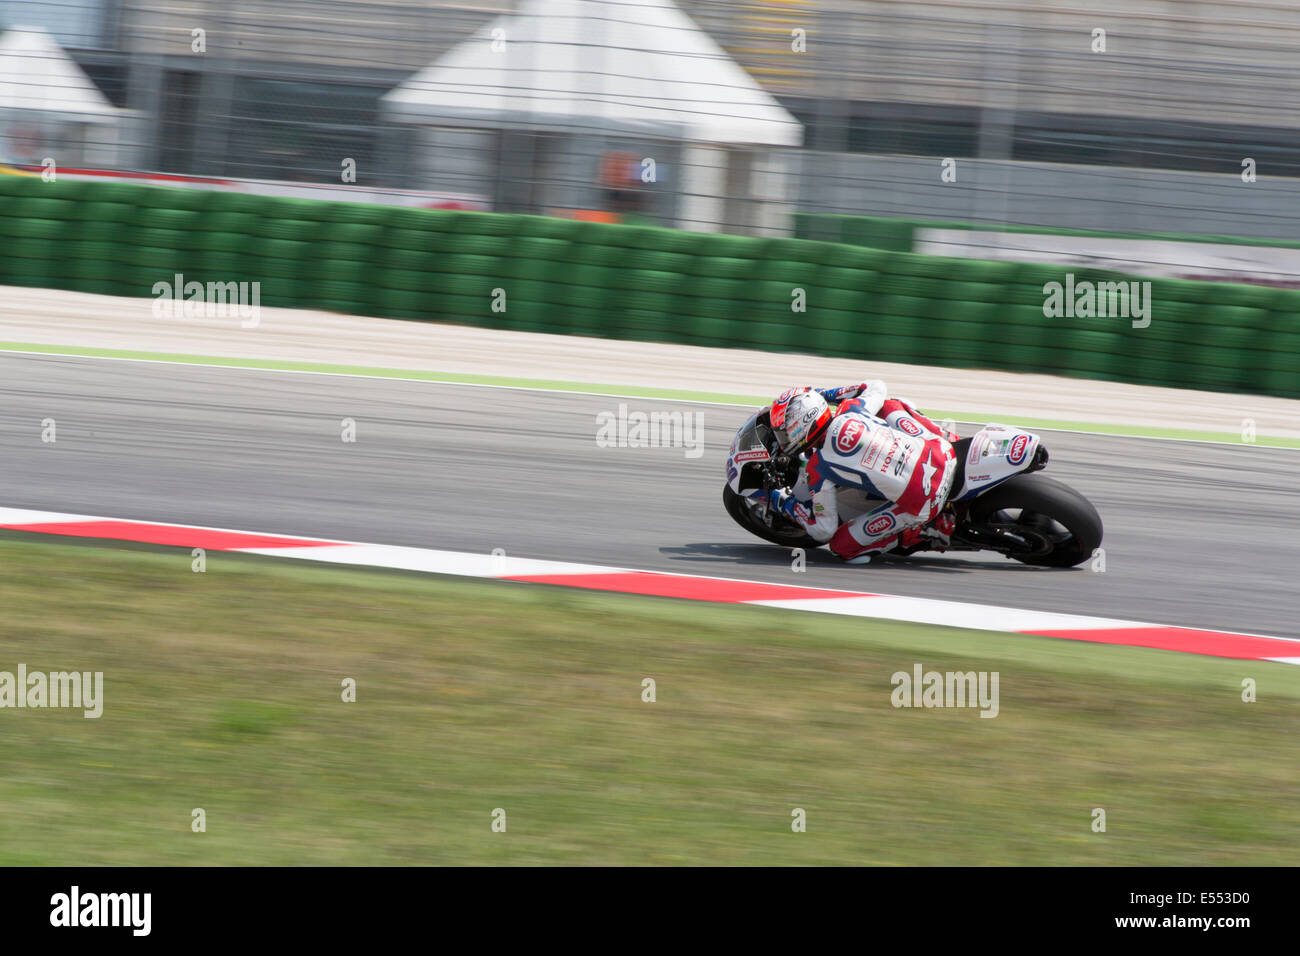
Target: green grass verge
{"points": [[630, 391], [222, 691]]}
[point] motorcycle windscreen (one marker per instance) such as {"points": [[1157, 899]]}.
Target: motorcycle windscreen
{"points": [[749, 445]]}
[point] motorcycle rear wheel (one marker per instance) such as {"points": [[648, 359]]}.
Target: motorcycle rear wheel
{"points": [[1060, 526]]}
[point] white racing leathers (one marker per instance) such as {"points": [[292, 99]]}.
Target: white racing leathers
{"points": [[896, 454]]}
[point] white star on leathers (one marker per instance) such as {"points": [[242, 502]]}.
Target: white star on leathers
{"points": [[927, 471]]}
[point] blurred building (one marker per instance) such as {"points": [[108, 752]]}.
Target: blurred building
{"points": [[640, 115]]}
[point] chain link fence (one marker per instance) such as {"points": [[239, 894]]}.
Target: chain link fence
{"points": [[713, 115]]}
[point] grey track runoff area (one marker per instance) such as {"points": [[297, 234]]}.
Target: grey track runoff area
{"points": [[1197, 534]]}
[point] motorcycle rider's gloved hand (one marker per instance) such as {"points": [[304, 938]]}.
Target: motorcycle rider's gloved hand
{"points": [[779, 499]]}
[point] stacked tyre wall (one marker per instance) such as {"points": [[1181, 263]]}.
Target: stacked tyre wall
{"points": [[554, 275]]}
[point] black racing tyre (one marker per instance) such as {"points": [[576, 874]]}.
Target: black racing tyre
{"points": [[784, 532], [1061, 525]]}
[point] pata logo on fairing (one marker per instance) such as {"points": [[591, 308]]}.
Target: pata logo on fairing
{"points": [[1018, 449], [849, 436]]}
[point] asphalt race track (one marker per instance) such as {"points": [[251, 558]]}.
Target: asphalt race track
{"points": [[1197, 534]]}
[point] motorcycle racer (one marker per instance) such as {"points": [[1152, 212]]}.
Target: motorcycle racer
{"points": [[871, 442]]}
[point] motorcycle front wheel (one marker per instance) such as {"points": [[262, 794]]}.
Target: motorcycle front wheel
{"points": [[781, 530]]}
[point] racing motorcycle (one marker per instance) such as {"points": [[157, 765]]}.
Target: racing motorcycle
{"points": [[1000, 502]]}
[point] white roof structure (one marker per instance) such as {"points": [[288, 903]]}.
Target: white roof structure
{"points": [[35, 74], [632, 65]]}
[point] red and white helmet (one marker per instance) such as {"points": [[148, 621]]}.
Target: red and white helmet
{"points": [[799, 417]]}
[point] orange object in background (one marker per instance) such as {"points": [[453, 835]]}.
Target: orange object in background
{"points": [[586, 215], [596, 215], [620, 182], [619, 170]]}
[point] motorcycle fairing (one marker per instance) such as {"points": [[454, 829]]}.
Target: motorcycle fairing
{"points": [[995, 453], [746, 447]]}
